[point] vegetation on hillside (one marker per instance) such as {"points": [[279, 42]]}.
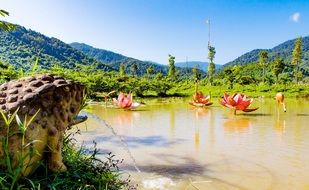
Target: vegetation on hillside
{"points": [[115, 60], [283, 51], [20, 46]]}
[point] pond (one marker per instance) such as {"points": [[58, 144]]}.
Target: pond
{"points": [[169, 144]]}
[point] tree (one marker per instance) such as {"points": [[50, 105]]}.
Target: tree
{"points": [[278, 66], [171, 67], [211, 65], [122, 70], [263, 56], [134, 69], [195, 72], [297, 54], [5, 26], [149, 70]]}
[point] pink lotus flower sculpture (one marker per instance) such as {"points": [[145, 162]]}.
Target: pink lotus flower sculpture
{"points": [[237, 102], [198, 99], [125, 101]]}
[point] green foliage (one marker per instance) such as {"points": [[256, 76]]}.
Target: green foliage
{"points": [[171, 67], [8, 72], [283, 50], [122, 71], [150, 71], [278, 66], [196, 75], [5, 26], [263, 55], [211, 65], [134, 69], [297, 54]]}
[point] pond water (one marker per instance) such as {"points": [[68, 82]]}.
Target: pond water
{"points": [[177, 146]]}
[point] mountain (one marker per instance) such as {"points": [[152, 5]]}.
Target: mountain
{"points": [[114, 60], [201, 65], [20, 47], [283, 50], [99, 54]]}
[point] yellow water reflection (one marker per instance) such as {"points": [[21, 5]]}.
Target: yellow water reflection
{"points": [[235, 124], [178, 146], [198, 113]]}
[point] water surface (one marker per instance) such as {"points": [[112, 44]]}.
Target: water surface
{"points": [[178, 146]]}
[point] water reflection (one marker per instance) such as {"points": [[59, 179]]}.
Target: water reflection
{"points": [[280, 125], [199, 113], [237, 124], [126, 117]]}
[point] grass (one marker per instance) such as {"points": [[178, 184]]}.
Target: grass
{"points": [[264, 90]]}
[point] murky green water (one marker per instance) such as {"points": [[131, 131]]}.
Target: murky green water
{"points": [[177, 146]]}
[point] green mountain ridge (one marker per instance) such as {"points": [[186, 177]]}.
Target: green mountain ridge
{"points": [[283, 50], [114, 60], [20, 47]]}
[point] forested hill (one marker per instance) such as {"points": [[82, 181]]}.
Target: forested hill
{"points": [[114, 60], [20, 47], [283, 50]]}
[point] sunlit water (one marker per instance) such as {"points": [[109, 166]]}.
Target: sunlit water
{"points": [[178, 146]]}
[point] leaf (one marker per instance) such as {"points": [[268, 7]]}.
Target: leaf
{"points": [[19, 122], [4, 13], [4, 118], [35, 65], [13, 116], [32, 118]]}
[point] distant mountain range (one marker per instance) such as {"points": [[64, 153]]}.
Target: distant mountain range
{"points": [[283, 50], [114, 59], [201, 65], [20, 47]]}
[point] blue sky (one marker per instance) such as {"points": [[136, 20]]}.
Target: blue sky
{"points": [[152, 29]]}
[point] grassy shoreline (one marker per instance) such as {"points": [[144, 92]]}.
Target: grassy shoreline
{"points": [[85, 172]]}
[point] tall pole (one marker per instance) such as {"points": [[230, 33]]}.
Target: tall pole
{"points": [[208, 22]]}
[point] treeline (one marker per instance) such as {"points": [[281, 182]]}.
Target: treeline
{"points": [[247, 78]]}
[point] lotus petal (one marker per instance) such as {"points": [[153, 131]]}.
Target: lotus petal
{"points": [[225, 97], [250, 110], [208, 104], [231, 101], [223, 103], [243, 104], [135, 105]]}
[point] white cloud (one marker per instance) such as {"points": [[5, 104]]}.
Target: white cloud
{"points": [[295, 17]]}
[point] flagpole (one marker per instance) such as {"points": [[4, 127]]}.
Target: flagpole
{"points": [[208, 22]]}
